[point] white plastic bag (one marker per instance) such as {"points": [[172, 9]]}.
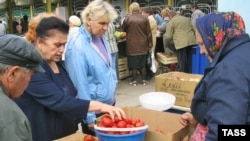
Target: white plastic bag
{"points": [[154, 63]]}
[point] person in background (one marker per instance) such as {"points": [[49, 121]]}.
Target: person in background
{"points": [[138, 42], [19, 30], [2, 28], [4, 21], [74, 26], [222, 97], [157, 17], [15, 23], [196, 13], [89, 62], [19, 60], [180, 30], [50, 101], [147, 12], [162, 28], [31, 34], [24, 24], [110, 34], [165, 16]]}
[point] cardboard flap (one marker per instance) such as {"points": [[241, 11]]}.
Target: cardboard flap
{"points": [[155, 119]]}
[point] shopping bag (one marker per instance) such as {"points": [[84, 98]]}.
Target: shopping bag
{"points": [[154, 64]]}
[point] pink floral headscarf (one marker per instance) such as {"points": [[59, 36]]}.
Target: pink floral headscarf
{"points": [[217, 28]]}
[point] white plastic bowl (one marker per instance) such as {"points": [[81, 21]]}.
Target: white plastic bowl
{"points": [[159, 101]]}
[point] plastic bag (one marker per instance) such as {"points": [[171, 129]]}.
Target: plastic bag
{"points": [[154, 64], [199, 133], [149, 60]]}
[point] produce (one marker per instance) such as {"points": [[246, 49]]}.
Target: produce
{"points": [[120, 35], [107, 122], [89, 138]]}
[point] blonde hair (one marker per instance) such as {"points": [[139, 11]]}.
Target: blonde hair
{"points": [[134, 7], [165, 12], [31, 33], [97, 9]]}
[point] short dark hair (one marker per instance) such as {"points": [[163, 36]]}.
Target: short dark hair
{"points": [[147, 10], [195, 6], [25, 18], [55, 23]]}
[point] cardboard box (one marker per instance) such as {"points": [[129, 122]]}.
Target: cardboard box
{"points": [[180, 84], [168, 123], [78, 136]]}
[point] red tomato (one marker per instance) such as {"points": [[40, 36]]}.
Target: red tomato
{"points": [[128, 120], [89, 138], [130, 126], [139, 124], [116, 119], [100, 125], [121, 124], [134, 121], [106, 121], [114, 126], [105, 117]]}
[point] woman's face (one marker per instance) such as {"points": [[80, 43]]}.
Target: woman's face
{"points": [[203, 49], [98, 27], [52, 48]]}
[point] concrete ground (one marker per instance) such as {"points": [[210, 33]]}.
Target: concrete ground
{"points": [[128, 95]]}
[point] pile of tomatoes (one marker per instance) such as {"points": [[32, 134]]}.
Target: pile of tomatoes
{"points": [[107, 122]]}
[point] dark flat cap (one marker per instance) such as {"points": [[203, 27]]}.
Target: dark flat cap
{"points": [[16, 51]]}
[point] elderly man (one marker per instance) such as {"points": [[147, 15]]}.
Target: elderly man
{"points": [[18, 61]]}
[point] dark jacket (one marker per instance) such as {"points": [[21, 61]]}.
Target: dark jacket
{"points": [[52, 112], [223, 95], [24, 25], [138, 34]]}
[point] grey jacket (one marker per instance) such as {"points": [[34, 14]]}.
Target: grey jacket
{"points": [[14, 125], [196, 14]]}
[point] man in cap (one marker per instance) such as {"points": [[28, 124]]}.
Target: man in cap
{"points": [[18, 61]]}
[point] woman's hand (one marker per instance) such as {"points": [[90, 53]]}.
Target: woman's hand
{"points": [[96, 106], [187, 119]]}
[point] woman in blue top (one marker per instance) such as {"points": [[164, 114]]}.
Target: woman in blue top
{"points": [[222, 97], [50, 101], [88, 58]]}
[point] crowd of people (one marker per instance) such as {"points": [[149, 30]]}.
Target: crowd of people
{"points": [[63, 74]]}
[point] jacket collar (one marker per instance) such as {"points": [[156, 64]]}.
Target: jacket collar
{"points": [[2, 89]]}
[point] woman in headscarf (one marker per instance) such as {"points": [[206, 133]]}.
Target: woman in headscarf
{"points": [[222, 97]]}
